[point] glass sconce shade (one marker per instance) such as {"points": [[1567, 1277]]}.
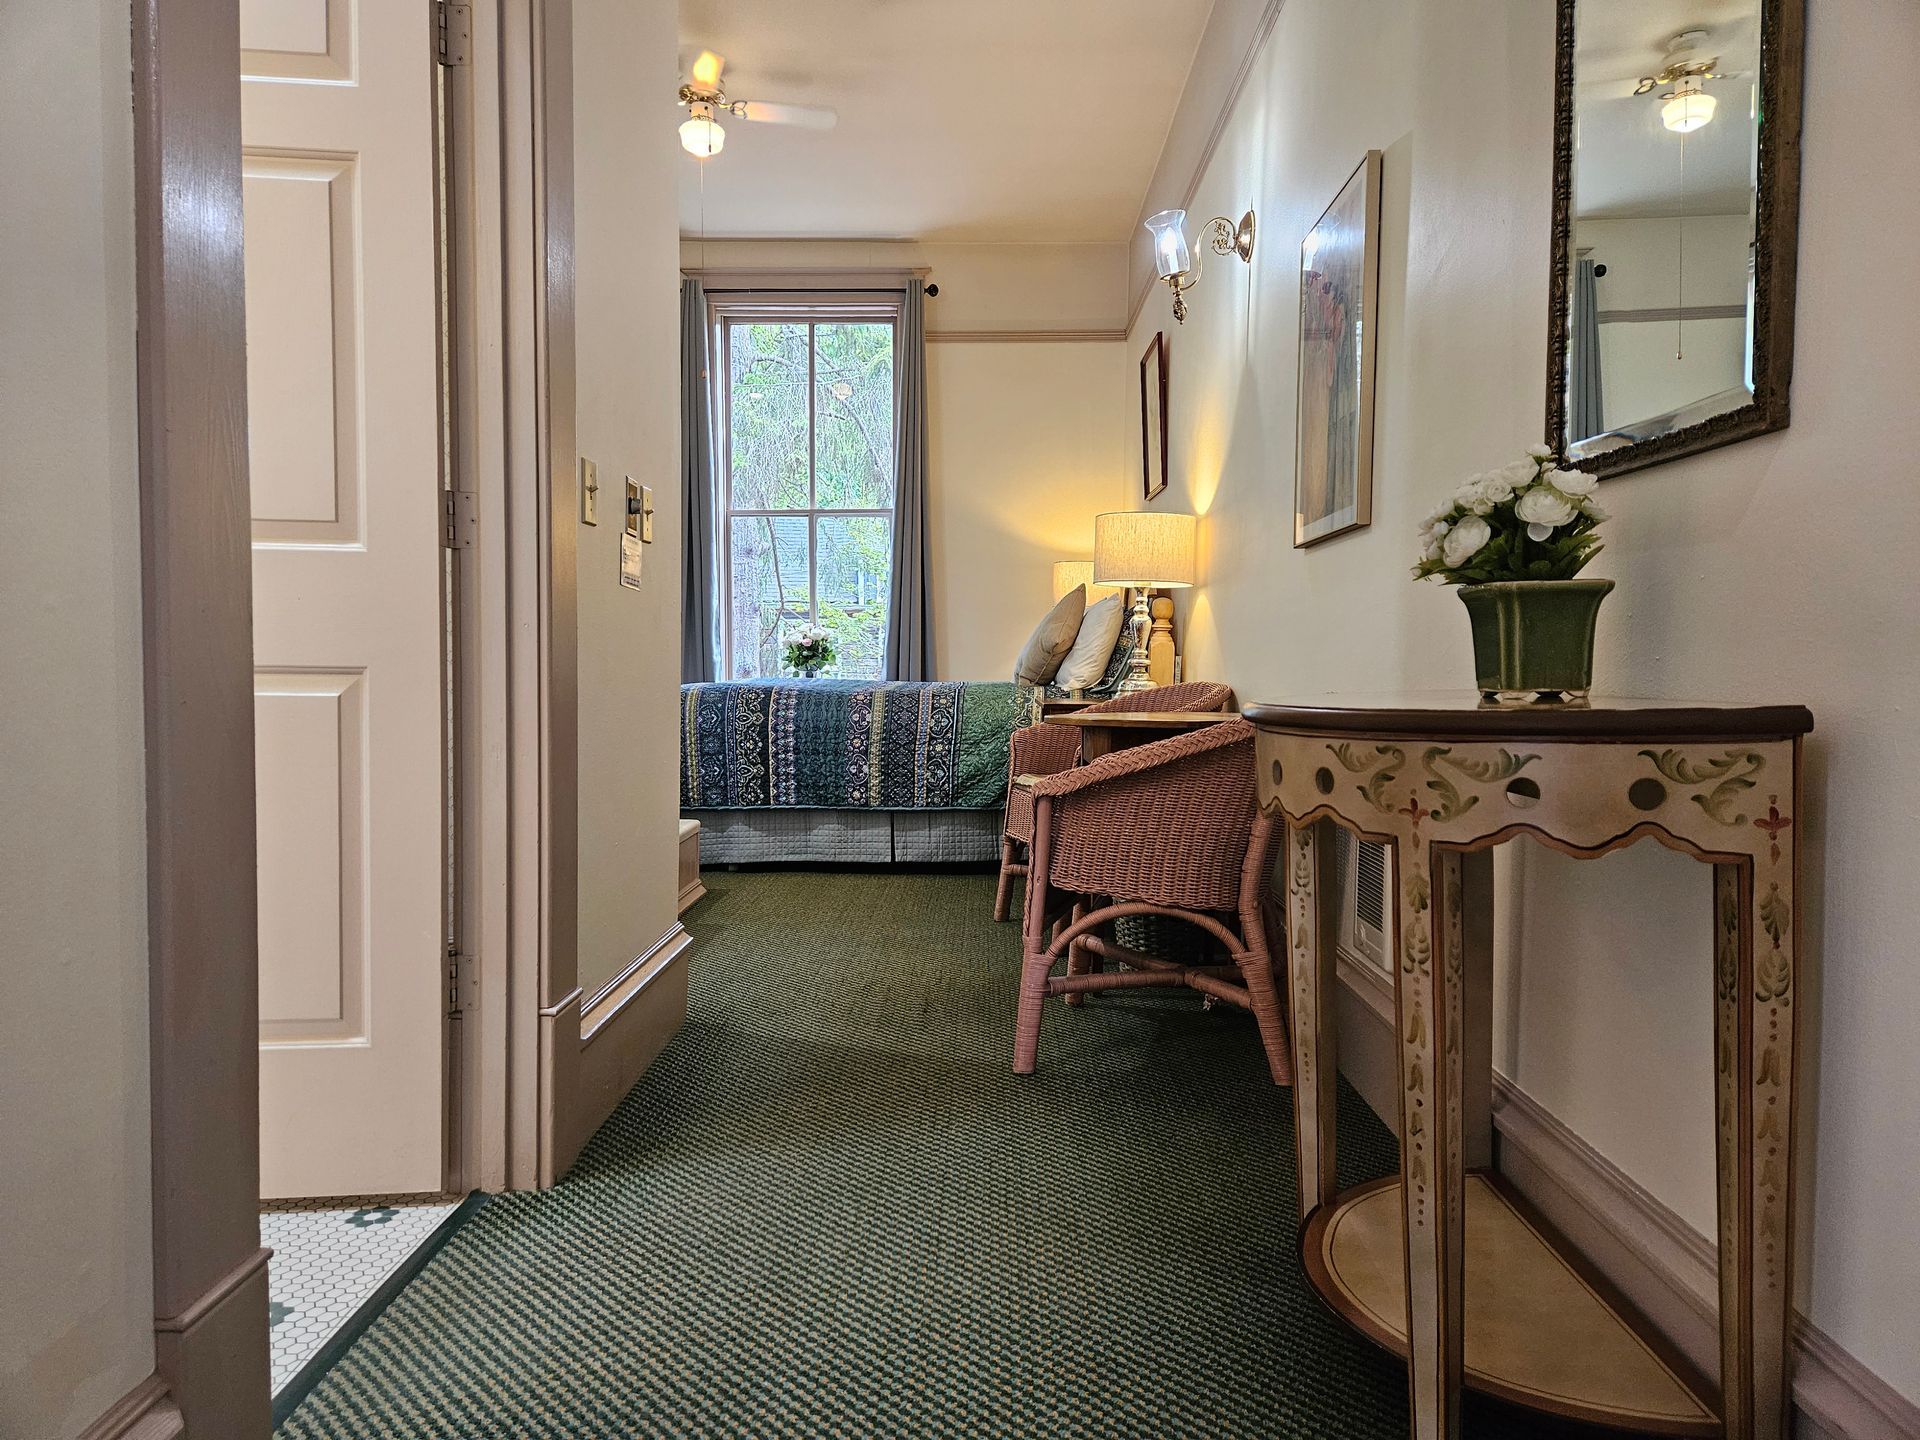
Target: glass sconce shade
{"points": [[1170, 254]]}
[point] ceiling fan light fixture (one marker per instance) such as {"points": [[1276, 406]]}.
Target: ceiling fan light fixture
{"points": [[701, 136], [1687, 108]]}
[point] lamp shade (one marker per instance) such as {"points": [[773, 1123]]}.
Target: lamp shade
{"points": [[1169, 231], [1147, 548], [1068, 574]]}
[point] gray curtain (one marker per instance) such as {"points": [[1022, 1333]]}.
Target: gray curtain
{"points": [[1584, 414], [910, 612], [699, 640]]}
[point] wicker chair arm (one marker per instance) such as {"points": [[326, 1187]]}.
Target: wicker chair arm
{"points": [[1044, 750], [1138, 759], [1193, 695]]}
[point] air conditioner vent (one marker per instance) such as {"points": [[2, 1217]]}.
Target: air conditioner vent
{"points": [[1362, 866]]}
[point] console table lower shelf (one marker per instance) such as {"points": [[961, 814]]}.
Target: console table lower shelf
{"points": [[1541, 1330]]}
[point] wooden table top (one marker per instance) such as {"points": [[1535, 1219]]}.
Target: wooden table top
{"points": [[1142, 719], [1449, 714]]}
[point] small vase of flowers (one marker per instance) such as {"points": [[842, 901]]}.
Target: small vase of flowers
{"points": [[809, 651], [1513, 539]]}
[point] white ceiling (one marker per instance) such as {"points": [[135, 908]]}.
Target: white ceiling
{"points": [[1627, 162], [960, 120]]}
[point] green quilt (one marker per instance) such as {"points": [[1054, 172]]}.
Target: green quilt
{"points": [[848, 744]]}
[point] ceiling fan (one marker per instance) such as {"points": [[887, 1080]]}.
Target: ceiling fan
{"points": [[705, 98]]}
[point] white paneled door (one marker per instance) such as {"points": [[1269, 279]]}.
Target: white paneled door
{"points": [[343, 405]]}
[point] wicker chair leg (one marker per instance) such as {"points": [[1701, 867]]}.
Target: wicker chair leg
{"points": [[1003, 892], [1079, 961], [1033, 1000], [1256, 969]]}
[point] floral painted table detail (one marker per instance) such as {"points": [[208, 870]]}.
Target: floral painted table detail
{"points": [[1439, 781]]}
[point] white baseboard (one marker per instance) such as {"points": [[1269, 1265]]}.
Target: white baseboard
{"points": [[1661, 1263], [146, 1412]]}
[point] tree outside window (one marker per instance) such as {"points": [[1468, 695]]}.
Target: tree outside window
{"points": [[808, 490]]}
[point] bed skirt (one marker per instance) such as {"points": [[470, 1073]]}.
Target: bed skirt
{"points": [[847, 837]]}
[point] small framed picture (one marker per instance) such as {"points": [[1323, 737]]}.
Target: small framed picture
{"points": [[1153, 416], [1339, 292]]}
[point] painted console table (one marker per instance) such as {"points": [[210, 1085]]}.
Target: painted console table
{"points": [[1446, 1265]]}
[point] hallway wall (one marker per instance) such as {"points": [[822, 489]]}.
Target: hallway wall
{"points": [[628, 417], [76, 1267], [1777, 569]]}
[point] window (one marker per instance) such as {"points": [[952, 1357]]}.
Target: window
{"points": [[807, 483]]}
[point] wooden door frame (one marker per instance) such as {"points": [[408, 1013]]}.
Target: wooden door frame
{"points": [[511, 145], [511, 294]]}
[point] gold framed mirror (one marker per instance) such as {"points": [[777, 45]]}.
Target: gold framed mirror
{"points": [[1676, 184]]}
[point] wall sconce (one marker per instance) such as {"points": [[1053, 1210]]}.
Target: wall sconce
{"points": [[1174, 262]]}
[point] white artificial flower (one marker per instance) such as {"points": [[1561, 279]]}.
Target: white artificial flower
{"points": [[1591, 509], [1543, 505], [1465, 540], [1539, 452], [1572, 482], [1519, 474], [1432, 549], [1482, 505]]}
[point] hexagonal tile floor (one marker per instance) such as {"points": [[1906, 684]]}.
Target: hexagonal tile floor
{"points": [[329, 1257]]}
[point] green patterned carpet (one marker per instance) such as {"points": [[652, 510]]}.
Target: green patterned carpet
{"points": [[830, 1209]]}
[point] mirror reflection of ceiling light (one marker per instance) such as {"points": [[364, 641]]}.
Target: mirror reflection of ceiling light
{"points": [[1687, 108]]}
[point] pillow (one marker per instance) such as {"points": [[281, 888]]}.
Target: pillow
{"points": [[1093, 647], [1050, 642]]}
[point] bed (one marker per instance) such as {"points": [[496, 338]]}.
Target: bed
{"points": [[848, 771]]}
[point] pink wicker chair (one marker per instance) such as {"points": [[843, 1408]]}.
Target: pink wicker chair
{"points": [[1168, 828], [1048, 749]]}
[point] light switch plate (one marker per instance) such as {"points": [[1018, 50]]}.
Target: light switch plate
{"points": [[589, 492], [646, 514]]}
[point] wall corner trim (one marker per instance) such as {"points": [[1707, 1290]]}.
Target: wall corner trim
{"points": [[1665, 1266], [146, 1412], [605, 1004], [1836, 1395]]}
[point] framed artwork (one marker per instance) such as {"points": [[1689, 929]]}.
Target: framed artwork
{"points": [[1339, 293], [1153, 416]]}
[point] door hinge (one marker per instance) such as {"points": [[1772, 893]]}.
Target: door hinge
{"points": [[454, 20], [459, 519], [463, 994]]}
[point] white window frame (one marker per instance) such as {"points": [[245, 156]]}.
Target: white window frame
{"points": [[724, 312]]}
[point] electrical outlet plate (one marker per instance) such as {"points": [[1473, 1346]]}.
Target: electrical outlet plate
{"points": [[589, 492]]}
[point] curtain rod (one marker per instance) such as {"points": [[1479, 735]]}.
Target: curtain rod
{"points": [[903, 271]]}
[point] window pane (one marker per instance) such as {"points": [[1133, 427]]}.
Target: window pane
{"points": [[769, 598], [767, 415], [856, 568], [853, 413]]}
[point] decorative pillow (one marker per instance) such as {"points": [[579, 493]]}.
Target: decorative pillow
{"points": [[1108, 685], [1053, 638], [1093, 647]]}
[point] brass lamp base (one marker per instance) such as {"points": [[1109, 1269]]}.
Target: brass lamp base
{"points": [[1140, 623]]}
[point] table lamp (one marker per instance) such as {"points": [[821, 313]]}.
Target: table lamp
{"points": [[1067, 574], [1149, 550]]}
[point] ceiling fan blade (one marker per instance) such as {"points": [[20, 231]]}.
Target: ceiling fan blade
{"points": [[706, 70], [810, 117]]}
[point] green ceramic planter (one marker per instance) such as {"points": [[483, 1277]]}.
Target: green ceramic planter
{"points": [[1533, 639]]}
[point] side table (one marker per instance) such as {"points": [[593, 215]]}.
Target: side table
{"points": [[1439, 781]]}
